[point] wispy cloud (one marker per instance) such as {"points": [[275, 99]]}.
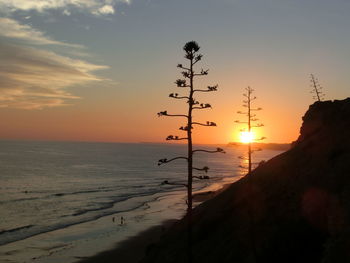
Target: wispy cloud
{"points": [[31, 78], [34, 79], [96, 7], [13, 29]]}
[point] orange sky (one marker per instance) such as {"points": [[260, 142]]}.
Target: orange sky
{"points": [[124, 115], [107, 118], [86, 73]]}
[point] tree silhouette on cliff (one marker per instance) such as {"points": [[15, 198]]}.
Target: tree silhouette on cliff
{"points": [[250, 122], [187, 85], [316, 88]]}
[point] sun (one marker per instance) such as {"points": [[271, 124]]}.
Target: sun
{"points": [[246, 137]]}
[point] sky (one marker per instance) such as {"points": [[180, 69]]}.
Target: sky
{"points": [[100, 70]]}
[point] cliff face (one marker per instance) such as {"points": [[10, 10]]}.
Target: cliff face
{"points": [[293, 208]]}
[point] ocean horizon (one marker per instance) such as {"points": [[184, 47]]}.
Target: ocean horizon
{"points": [[49, 187]]}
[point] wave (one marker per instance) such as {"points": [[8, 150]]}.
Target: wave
{"points": [[107, 205], [99, 190], [15, 229], [102, 209], [20, 233]]}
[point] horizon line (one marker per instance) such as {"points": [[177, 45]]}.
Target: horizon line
{"points": [[128, 142]]}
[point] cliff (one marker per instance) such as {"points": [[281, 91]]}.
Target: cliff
{"points": [[293, 208]]}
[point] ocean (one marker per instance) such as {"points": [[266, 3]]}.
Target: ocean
{"points": [[67, 196]]}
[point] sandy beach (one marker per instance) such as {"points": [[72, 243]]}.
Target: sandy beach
{"points": [[135, 248], [106, 238], [80, 241]]}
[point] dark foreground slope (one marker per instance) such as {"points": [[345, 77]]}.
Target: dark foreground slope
{"points": [[293, 208]]}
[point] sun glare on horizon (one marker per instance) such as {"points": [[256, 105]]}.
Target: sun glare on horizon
{"points": [[246, 137]]}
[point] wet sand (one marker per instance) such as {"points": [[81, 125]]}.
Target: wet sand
{"points": [[135, 248], [206, 195]]}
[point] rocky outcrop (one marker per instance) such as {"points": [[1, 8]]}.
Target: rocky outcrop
{"points": [[293, 208]]}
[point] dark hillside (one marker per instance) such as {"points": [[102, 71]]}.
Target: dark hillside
{"points": [[299, 203]]}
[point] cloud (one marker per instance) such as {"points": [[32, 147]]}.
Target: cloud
{"points": [[66, 12], [106, 9], [12, 29], [96, 7], [31, 78]]}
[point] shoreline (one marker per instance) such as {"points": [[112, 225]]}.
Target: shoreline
{"points": [[77, 243], [202, 196], [90, 238], [133, 249]]}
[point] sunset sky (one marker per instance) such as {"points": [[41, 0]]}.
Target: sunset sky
{"points": [[100, 70]]}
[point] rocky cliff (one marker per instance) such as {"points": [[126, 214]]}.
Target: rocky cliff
{"points": [[293, 208]]}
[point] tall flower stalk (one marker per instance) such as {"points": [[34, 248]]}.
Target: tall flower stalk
{"points": [[250, 122], [187, 84], [316, 88]]}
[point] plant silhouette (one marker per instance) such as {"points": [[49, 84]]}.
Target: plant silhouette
{"points": [[187, 83], [316, 88], [250, 122]]}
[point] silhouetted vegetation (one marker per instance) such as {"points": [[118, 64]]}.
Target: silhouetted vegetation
{"points": [[187, 83], [251, 122], [316, 88]]}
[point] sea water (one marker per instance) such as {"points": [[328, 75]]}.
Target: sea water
{"points": [[58, 194]]}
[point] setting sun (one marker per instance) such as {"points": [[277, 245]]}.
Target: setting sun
{"points": [[246, 137]]}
